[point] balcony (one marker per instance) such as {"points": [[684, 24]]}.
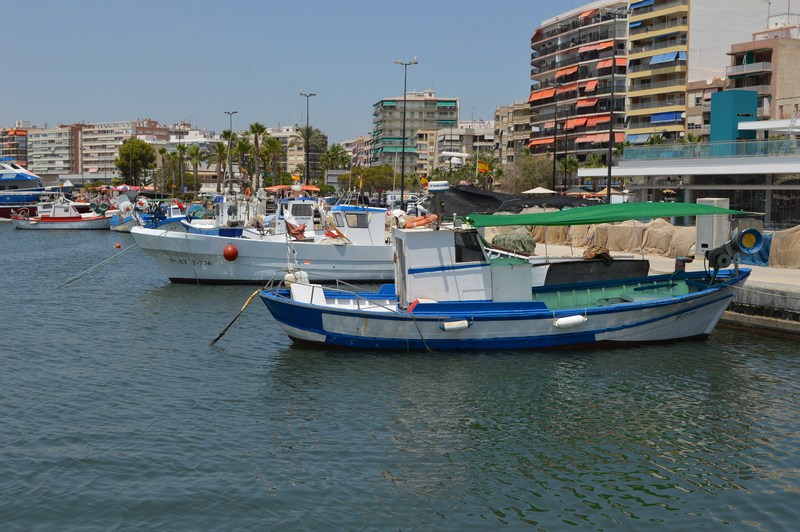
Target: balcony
{"points": [[738, 70]]}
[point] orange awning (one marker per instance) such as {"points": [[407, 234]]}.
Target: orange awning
{"points": [[591, 85], [604, 45], [567, 71], [539, 95], [572, 123], [587, 13], [587, 48], [585, 140], [594, 120], [604, 63], [603, 137], [548, 125], [567, 88], [539, 142], [588, 102]]}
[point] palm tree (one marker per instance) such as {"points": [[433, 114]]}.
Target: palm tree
{"points": [[257, 129], [334, 158], [219, 155], [242, 150], [196, 156], [272, 153], [163, 153], [230, 138], [568, 166], [309, 138], [181, 150]]}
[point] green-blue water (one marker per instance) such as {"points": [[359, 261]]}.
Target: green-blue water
{"points": [[116, 414]]}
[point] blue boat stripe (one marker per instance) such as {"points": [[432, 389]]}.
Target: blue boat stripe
{"points": [[434, 269]]}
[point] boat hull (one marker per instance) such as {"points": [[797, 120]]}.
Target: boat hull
{"points": [[193, 258], [495, 326], [70, 223]]}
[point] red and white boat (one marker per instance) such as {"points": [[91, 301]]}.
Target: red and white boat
{"points": [[59, 214]]}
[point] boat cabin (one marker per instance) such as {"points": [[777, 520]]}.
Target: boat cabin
{"points": [[427, 256]]}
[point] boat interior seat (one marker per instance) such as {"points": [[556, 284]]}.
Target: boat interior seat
{"points": [[308, 293]]}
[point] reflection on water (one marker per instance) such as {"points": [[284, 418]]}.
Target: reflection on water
{"points": [[117, 413]]}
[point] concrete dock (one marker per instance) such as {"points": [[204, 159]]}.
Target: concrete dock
{"points": [[769, 301]]}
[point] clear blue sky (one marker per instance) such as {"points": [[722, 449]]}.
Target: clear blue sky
{"points": [[112, 60]]}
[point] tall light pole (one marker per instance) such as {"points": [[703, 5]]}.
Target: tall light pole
{"points": [[403, 149], [308, 96], [611, 116], [555, 131], [230, 159]]}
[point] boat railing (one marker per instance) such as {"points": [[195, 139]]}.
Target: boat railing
{"points": [[344, 290]]}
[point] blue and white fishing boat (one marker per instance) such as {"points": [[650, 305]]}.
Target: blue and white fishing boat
{"points": [[448, 295]]}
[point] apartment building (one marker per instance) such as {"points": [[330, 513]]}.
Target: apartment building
{"points": [[424, 111], [14, 142], [671, 42], [55, 151], [512, 130], [358, 149], [101, 141], [578, 73], [767, 64]]}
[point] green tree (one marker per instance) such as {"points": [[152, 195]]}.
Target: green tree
{"points": [[230, 140], [273, 154], [257, 130], [163, 153], [134, 158], [243, 149], [180, 149], [567, 167], [526, 172], [196, 156], [219, 156], [312, 141], [334, 158]]}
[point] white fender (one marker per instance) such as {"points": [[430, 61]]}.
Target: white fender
{"points": [[459, 325], [570, 321]]}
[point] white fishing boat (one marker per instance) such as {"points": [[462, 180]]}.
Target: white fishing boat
{"points": [[448, 295], [59, 213], [350, 244]]}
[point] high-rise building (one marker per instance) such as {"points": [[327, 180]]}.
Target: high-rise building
{"points": [[424, 110], [53, 152], [14, 142], [512, 130], [672, 42], [578, 69]]}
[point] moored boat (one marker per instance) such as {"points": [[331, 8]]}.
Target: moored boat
{"points": [[448, 295], [59, 213], [350, 245]]}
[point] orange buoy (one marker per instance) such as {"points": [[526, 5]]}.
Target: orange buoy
{"points": [[230, 252], [118, 245]]}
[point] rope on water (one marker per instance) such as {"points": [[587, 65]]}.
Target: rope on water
{"points": [[108, 260]]}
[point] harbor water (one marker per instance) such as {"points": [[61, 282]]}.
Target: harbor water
{"points": [[117, 414]]}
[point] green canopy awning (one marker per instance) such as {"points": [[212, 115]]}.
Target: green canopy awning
{"points": [[598, 214]]}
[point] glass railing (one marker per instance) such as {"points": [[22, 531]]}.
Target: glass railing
{"points": [[749, 148]]}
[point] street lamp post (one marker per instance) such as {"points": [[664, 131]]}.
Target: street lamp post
{"points": [[555, 131], [611, 122], [308, 96], [230, 160], [403, 149]]}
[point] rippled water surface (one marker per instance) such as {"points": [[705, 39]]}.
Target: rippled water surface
{"points": [[116, 413]]}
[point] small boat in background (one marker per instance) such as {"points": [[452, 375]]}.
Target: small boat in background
{"points": [[59, 213]]}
